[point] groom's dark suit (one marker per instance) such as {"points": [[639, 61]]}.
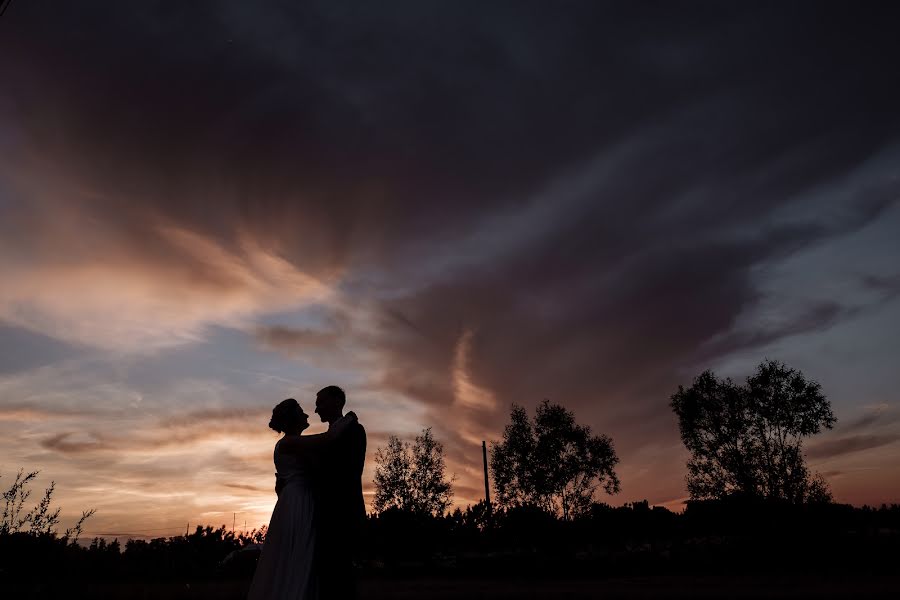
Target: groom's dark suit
{"points": [[340, 514]]}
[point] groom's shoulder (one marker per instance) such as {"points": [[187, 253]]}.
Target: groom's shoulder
{"points": [[358, 433]]}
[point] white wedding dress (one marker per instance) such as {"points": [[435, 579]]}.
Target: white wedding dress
{"points": [[285, 567]]}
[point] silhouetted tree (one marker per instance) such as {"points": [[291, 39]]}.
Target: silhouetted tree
{"points": [[40, 520], [747, 439], [392, 475], [412, 477], [552, 463]]}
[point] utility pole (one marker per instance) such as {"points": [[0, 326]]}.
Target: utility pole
{"points": [[487, 491], [233, 517]]}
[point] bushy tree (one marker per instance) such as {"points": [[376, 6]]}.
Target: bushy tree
{"points": [[747, 440], [412, 477], [552, 463]]}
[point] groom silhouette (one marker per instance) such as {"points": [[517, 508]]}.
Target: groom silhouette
{"points": [[340, 508]]}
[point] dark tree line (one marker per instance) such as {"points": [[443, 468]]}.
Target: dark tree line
{"points": [[755, 506], [733, 535], [709, 538]]}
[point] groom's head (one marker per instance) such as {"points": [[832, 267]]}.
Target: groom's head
{"points": [[330, 403]]}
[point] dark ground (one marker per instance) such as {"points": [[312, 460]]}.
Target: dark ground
{"points": [[483, 589]]}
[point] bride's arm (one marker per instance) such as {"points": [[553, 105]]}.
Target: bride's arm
{"points": [[305, 443]]}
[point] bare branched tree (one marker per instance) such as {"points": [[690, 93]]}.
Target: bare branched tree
{"points": [[40, 520]]}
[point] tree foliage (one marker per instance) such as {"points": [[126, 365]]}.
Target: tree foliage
{"points": [[41, 519], [551, 462], [747, 440], [412, 477]]}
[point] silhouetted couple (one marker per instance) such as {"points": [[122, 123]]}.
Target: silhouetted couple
{"points": [[308, 552]]}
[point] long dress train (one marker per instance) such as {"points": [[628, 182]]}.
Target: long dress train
{"points": [[285, 567]]}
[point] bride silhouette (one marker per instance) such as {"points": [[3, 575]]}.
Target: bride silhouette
{"points": [[286, 567]]}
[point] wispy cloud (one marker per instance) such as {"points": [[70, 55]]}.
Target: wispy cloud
{"points": [[292, 341], [849, 444], [878, 415], [138, 303], [24, 413]]}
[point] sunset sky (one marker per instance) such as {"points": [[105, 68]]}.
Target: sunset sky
{"points": [[208, 207]]}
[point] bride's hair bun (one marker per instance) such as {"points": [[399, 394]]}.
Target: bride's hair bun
{"points": [[285, 415]]}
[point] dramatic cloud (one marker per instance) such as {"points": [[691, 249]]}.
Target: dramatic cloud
{"points": [[445, 209], [873, 429], [853, 443], [292, 341], [878, 415], [112, 297]]}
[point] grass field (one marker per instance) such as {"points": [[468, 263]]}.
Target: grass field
{"points": [[493, 589]]}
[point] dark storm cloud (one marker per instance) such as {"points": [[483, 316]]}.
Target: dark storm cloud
{"points": [[427, 155], [347, 134], [610, 341], [813, 318]]}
